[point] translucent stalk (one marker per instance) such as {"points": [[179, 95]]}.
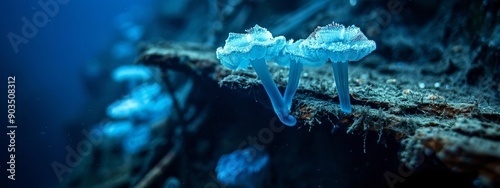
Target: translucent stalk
{"points": [[341, 75], [274, 94], [293, 82]]}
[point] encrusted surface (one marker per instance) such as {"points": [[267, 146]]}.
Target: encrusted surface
{"points": [[468, 146], [459, 124]]}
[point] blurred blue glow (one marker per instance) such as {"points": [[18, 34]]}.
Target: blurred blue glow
{"points": [[131, 72], [244, 167], [136, 140], [123, 49], [145, 102], [117, 128], [49, 75]]}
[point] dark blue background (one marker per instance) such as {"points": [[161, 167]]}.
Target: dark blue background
{"points": [[48, 73]]}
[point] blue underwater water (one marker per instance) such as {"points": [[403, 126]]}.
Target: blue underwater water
{"points": [[49, 73], [249, 94]]}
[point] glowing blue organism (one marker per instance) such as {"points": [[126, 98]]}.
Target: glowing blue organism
{"points": [[131, 73], [242, 49], [256, 47], [143, 103], [160, 108], [332, 42], [124, 108], [292, 57], [146, 92], [339, 45], [117, 129], [246, 167]]}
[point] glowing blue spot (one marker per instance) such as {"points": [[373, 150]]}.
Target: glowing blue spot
{"points": [[131, 72], [124, 108], [117, 128], [122, 50], [353, 2], [144, 102], [134, 32], [245, 167]]}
